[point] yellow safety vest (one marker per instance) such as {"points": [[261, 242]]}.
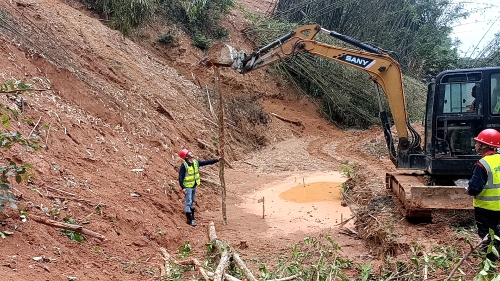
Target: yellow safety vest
{"points": [[192, 175], [489, 198]]}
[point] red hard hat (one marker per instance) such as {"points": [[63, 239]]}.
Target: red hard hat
{"points": [[490, 137], [183, 153]]}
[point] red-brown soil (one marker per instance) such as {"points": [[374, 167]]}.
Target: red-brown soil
{"points": [[115, 113]]}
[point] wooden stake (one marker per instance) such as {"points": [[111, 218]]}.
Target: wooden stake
{"points": [[262, 200], [221, 144]]}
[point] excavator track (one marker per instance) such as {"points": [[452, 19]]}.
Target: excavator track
{"points": [[417, 200]]}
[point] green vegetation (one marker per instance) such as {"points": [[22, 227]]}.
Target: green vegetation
{"points": [[13, 141], [167, 38], [200, 18], [488, 56], [124, 15], [185, 250], [73, 235]]}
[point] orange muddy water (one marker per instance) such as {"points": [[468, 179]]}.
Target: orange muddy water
{"points": [[313, 192], [299, 202]]}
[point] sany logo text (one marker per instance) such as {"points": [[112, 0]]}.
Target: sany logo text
{"points": [[359, 61]]}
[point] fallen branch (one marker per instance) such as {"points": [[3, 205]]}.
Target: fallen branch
{"points": [[211, 181], [223, 264], [35, 126], [227, 164], [67, 226], [211, 121], [210, 105], [342, 223], [298, 123], [251, 164], [243, 267], [466, 256], [226, 276], [198, 265], [223, 249], [349, 232], [61, 191], [166, 269], [48, 132], [286, 278], [212, 235], [25, 90], [203, 144], [162, 110]]}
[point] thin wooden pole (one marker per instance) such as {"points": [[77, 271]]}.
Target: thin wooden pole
{"points": [[259, 201], [221, 144], [263, 207]]}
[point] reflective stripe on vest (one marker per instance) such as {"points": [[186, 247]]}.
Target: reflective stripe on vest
{"points": [[192, 175], [489, 198]]}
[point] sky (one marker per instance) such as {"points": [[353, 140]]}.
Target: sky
{"points": [[478, 30]]}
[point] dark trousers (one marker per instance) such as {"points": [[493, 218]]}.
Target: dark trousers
{"points": [[486, 219]]}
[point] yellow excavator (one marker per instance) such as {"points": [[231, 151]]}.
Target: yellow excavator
{"points": [[432, 176]]}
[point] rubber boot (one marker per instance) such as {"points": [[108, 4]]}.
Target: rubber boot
{"points": [[190, 219], [192, 216]]}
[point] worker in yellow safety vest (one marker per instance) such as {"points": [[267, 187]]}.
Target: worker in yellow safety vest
{"points": [[485, 187], [189, 179]]}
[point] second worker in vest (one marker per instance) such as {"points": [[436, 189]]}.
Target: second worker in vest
{"points": [[189, 179], [485, 187]]}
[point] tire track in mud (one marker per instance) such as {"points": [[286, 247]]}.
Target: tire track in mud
{"points": [[316, 148], [348, 146]]}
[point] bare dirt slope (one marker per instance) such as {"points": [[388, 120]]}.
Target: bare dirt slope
{"points": [[114, 114]]}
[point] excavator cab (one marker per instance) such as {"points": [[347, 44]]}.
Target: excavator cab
{"points": [[460, 104], [464, 103]]}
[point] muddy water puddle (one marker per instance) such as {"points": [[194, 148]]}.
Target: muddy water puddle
{"points": [[313, 192], [302, 202]]}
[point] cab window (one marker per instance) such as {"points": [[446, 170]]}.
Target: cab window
{"points": [[495, 93], [459, 98]]}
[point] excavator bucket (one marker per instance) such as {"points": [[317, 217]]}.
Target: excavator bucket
{"points": [[417, 200]]}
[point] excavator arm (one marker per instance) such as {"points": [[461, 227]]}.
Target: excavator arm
{"points": [[382, 68]]}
